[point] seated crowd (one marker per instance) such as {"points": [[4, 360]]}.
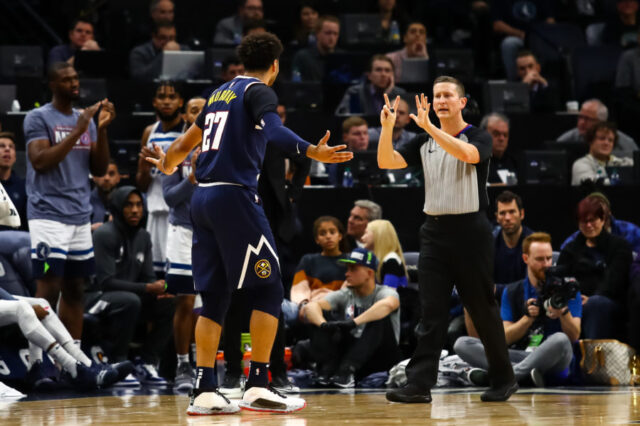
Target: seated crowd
{"points": [[349, 313]]}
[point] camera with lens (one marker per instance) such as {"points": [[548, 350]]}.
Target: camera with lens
{"points": [[558, 289]]}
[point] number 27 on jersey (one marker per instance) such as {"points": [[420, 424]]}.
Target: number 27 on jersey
{"points": [[214, 123]]}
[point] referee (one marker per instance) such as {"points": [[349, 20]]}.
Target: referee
{"points": [[456, 246]]}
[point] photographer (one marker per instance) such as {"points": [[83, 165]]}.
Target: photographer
{"points": [[539, 334]]}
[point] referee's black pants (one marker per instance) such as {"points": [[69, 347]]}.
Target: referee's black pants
{"points": [[457, 250]]}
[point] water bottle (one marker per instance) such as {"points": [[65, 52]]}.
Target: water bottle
{"points": [[347, 178], [296, 77], [15, 106], [394, 33], [614, 179]]}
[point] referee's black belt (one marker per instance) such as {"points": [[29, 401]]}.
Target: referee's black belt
{"points": [[453, 218]]}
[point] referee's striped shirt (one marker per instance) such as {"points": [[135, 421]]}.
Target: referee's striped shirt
{"points": [[451, 186]]}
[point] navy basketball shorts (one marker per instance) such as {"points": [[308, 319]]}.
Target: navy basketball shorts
{"points": [[233, 248]]}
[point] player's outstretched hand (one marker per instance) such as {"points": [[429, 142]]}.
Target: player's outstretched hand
{"points": [[423, 106], [158, 160], [388, 113], [328, 154]]}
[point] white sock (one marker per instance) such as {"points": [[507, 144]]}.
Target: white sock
{"points": [[68, 363], [75, 351], [35, 354], [183, 358]]}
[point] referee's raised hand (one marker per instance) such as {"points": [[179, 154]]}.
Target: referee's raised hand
{"points": [[423, 106], [388, 113]]}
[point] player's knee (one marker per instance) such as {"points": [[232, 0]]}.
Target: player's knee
{"points": [[214, 306], [268, 298]]}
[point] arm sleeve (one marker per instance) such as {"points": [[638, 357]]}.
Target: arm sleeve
{"points": [[283, 138], [385, 292], [104, 249], [481, 139], [411, 150], [34, 127], [176, 190], [580, 171]]}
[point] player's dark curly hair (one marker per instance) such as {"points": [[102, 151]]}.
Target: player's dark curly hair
{"points": [[258, 51]]}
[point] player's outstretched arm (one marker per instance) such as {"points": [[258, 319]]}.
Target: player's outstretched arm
{"points": [[328, 154], [177, 152]]}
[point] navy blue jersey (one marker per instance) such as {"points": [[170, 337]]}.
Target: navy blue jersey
{"points": [[233, 144]]}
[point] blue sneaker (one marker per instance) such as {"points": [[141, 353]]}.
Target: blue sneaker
{"points": [[124, 369], [147, 374], [37, 379]]}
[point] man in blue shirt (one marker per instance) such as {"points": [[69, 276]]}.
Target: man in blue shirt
{"points": [[540, 338]]}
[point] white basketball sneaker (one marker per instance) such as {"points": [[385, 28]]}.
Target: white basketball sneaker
{"points": [[269, 400], [210, 402]]}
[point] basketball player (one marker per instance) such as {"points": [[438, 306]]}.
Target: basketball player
{"points": [[177, 190], [233, 246], [167, 103], [64, 145]]}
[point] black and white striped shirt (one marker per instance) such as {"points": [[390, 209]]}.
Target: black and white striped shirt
{"points": [[451, 186]]}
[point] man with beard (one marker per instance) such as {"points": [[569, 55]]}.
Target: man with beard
{"points": [[64, 145], [100, 194], [540, 337], [508, 264], [167, 103]]}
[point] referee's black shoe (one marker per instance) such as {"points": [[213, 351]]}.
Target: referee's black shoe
{"points": [[410, 394], [501, 393]]}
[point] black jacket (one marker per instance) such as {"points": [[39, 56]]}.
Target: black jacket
{"points": [[123, 253], [609, 277]]}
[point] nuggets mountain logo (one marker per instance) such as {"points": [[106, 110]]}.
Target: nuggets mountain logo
{"points": [[262, 268]]}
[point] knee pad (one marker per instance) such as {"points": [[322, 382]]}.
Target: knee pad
{"points": [[267, 298], [215, 305]]}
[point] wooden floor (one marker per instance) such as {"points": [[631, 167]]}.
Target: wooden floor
{"points": [[553, 407]]}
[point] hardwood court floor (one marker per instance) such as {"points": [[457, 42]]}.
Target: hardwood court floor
{"points": [[529, 407]]}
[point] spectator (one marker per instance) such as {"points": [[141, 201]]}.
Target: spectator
{"points": [[145, 60], [367, 97], [634, 305], [392, 20], [80, 38], [124, 263], [231, 68], [365, 338], [621, 29], [100, 194], [621, 228], [628, 70], [318, 274], [542, 94], [167, 103], [310, 61], [591, 112], [363, 212], [509, 235], [355, 134], [501, 162], [39, 324], [11, 182], [600, 262], [512, 20], [161, 11], [229, 29], [64, 145], [400, 136], [304, 33], [415, 46], [601, 138], [177, 190], [381, 239], [541, 337]]}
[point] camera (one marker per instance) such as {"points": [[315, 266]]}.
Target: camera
{"points": [[558, 288]]}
